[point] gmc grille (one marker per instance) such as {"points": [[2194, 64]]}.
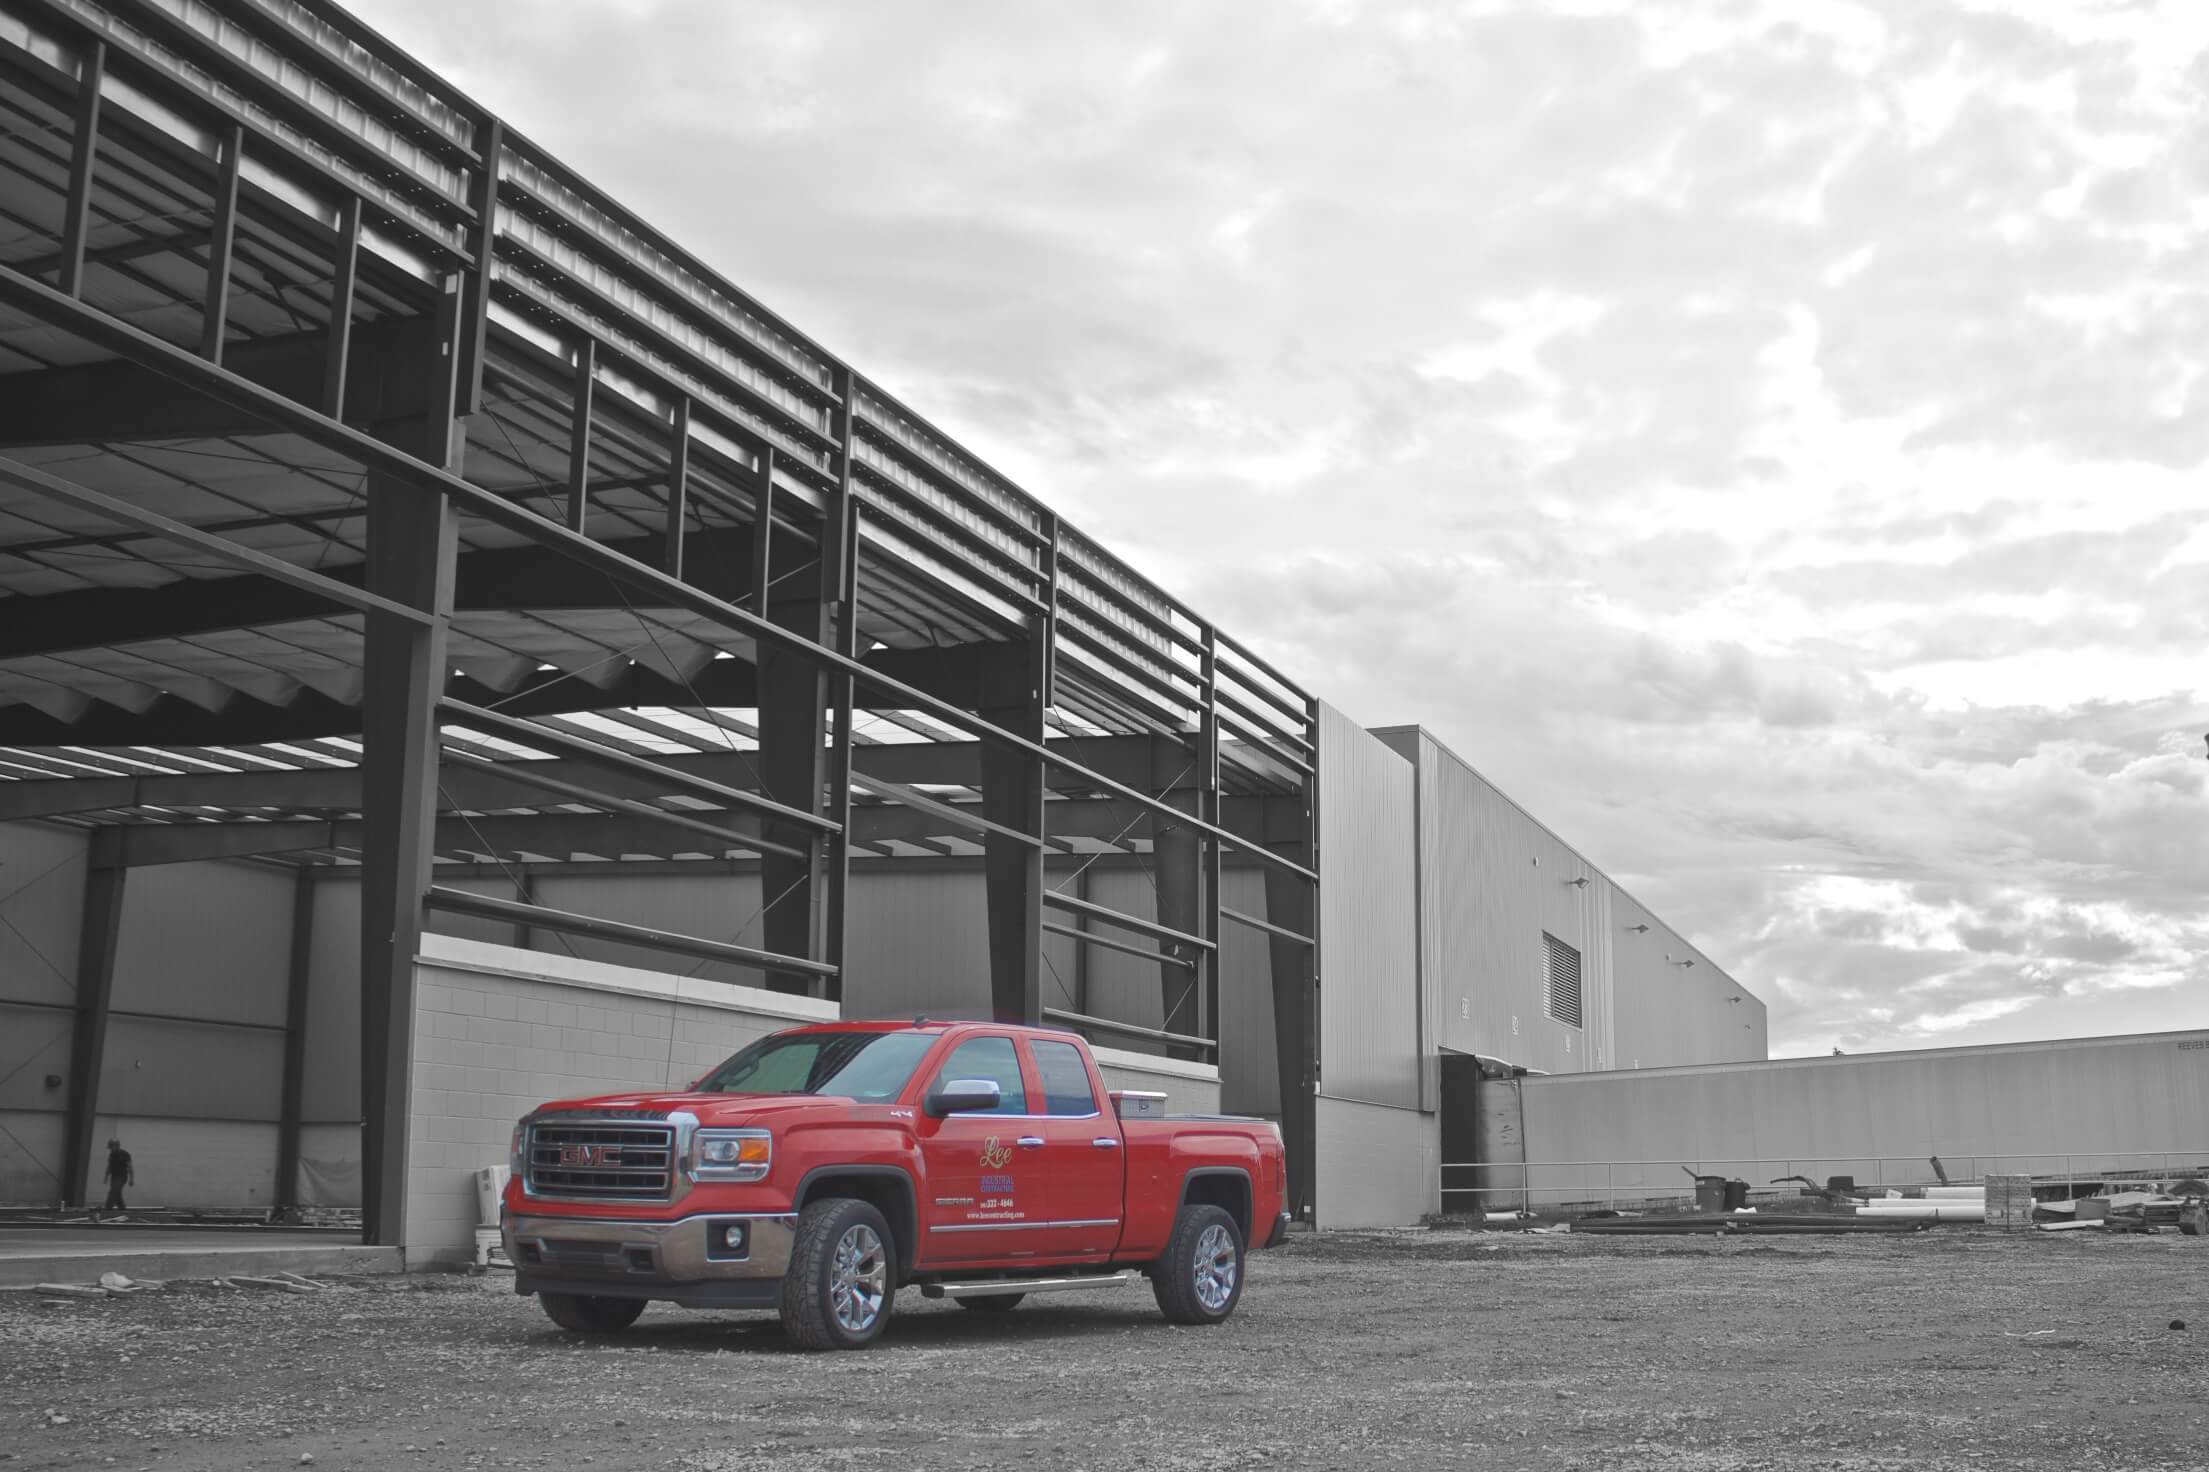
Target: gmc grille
{"points": [[608, 1162]]}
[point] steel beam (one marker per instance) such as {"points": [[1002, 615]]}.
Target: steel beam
{"points": [[222, 245], [88, 403], [666, 778], [489, 907], [493, 580], [236, 554], [888, 770], [99, 929], [26, 294], [475, 321], [344, 285], [84, 148], [1129, 948], [678, 489], [579, 435]]}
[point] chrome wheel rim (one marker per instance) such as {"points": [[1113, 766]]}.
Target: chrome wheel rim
{"points": [[858, 1276], [1215, 1267]]}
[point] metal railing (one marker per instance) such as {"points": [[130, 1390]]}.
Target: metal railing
{"points": [[1610, 1181]]}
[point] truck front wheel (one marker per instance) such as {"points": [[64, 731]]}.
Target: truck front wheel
{"points": [[841, 1281], [1199, 1277], [590, 1314]]}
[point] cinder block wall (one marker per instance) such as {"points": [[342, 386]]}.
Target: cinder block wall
{"points": [[499, 1031]]}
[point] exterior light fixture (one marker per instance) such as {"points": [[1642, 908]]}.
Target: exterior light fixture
{"points": [[1638, 929], [1580, 883], [1690, 961]]}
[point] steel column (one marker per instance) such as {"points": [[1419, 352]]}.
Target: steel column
{"points": [[1209, 813], [412, 545], [1177, 881], [1013, 794], [99, 928], [295, 1038]]}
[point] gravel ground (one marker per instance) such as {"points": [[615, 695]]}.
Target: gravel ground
{"points": [[1953, 1348]]}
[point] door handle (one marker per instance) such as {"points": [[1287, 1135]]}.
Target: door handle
{"points": [[1030, 1142], [1105, 1142]]}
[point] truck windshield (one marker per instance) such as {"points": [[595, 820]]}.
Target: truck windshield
{"points": [[856, 1065]]}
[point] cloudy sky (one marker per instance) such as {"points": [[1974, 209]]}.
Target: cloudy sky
{"points": [[1767, 439]]}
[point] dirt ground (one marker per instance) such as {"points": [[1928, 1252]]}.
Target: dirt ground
{"points": [[1951, 1348]]}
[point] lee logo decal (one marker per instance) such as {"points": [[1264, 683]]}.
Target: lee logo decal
{"points": [[995, 1154]]}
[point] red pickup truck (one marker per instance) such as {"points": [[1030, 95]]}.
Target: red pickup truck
{"points": [[823, 1168]]}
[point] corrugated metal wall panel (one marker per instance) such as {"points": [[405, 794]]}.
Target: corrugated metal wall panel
{"points": [[1249, 1069], [1493, 881], [205, 940], [1377, 1166], [918, 942], [1368, 928], [2087, 1099]]}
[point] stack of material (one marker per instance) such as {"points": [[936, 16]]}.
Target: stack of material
{"points": [[1938, 1204], [2009, 1201]]}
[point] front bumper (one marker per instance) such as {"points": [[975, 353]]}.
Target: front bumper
{"points": [[675, 1261]]}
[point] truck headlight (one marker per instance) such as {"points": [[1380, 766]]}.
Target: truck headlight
{"points": [[731, 1155]]}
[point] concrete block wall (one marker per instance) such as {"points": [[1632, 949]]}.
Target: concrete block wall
{"points": [[499, 1031]]}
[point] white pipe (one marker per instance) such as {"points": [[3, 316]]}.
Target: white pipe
{"points": [[1955, 1193], [1939, 1211]]}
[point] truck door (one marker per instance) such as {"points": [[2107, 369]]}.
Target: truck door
{"points": [[984, 1191], [1085, 1175]]}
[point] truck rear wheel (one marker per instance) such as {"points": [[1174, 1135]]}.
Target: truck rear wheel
{"points": [[1199, 1277], [993, 1303], [841, 1281], [590, 1314]]}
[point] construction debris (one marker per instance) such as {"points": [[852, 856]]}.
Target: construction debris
{"points": [[281, 1285]]}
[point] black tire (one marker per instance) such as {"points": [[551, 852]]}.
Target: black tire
{"points": [[589, 1314], [1188, 1277], [993, 1303], [817, 1312]]}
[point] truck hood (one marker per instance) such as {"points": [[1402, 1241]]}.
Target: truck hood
{"points": [[712, 1109]]}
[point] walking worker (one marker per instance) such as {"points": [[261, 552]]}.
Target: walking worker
{"points": [[119, 1175]]}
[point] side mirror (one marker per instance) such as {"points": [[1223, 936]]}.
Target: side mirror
{"points": [[964, 1096]]}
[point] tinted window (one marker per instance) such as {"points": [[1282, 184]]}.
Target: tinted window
{"points": [[995, 1060], [1065, 1079], [856, 1065]]}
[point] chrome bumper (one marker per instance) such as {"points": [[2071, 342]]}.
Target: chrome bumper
{"points": [[673, 1260]]}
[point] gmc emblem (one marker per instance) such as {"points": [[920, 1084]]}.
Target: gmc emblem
{"points": [[601, 1155]]}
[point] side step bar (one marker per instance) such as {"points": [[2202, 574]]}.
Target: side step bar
{"points": [[990, 1288]]}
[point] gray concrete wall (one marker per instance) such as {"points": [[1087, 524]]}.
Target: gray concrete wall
{"points": [[2081, 1104], [499, 1031]]}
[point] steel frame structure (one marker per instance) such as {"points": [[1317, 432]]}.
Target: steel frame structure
{"points": [[378, 495]]}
